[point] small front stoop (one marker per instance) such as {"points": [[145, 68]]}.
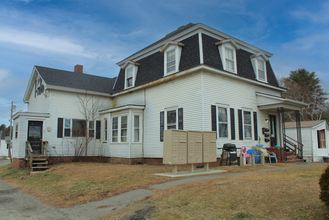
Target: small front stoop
{"points": [[292, 158], [38, 163]]}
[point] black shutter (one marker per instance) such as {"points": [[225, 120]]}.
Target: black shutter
{"points": [[318, 132], [60, 127], [180, 119], [255, 126], [240, 124], [213, 118], [98, 129], [232, 124], [161, 125]]}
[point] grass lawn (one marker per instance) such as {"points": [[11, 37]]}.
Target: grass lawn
{"points": [[285, 194], [70, 184]]}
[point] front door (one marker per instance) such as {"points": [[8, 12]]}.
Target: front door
{"points": [[34, 135], [273, 130]]}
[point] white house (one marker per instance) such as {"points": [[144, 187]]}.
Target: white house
{"points": [[314, 137], [195, 78]]}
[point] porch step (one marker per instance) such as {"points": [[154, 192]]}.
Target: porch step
{"points": [[39, 164], [296, 161]]}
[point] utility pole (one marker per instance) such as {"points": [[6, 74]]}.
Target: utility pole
{"points": [[11, 130]]}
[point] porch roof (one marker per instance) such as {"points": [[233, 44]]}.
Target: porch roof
{"points": [[31, 114], [271, 102]]}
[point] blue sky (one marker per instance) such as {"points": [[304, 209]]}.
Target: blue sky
{"points": [[97, 34]]}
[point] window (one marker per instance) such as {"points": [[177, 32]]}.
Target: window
{"points": [[124, 129], [136, 128], [172, 52], [227, 50], [91, 129], [171, 119], [105, 129], [120, 129], [259, 64], [115, 129], [222, 122], [78, 128], [16, 131], [321, 139], [129, 77], [247, 125], [67, 127], [130, 68], [229, 59], [171, 62]]}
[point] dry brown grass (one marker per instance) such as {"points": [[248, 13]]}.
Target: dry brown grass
{"points": [[67, 185], [285, 194]]}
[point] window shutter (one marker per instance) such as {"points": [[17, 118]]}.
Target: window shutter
{"points": [[161, 125], [180, 119], [240, 124], [318, 132], [213, 118], [232, 124], [98, 129], [60, 127], [255, 126]]}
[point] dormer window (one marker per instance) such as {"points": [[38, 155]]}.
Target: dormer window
{"points": [[259, 65], [130, 73], [39, 88], [172, 52], [227, 50]]}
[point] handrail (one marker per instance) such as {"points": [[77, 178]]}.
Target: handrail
{"points": [[29, 150], [293, 139], [45, 148]]}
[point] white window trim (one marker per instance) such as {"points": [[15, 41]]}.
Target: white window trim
{"points": [[165, 116], [254, 61], [119, 128], [134, 66], [251, 122], [66, 127], [170, 46], [133, 128], [16, 130], [229, 44], [228, 121], [94, 129]]}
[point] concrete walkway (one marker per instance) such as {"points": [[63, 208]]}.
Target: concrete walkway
{"points": [[16, 205]]}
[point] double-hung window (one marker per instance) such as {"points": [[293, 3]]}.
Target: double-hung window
{"points": [[247, 124], [91, 129], [16, 131], [120, 129], [67, 127], [129, 77], [227, 50], [130, 69], [136, 128], [115, 130], [259, 64], [172, 51], [261, 70], [222, 122], [171, 61], [171, 119], [229, 59], [105, 129]]}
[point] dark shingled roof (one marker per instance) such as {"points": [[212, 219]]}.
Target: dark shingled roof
{"points": [[177, 31], [151, 67], [76, 80], [244, 66]]}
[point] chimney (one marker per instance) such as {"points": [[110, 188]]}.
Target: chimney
{"points": [[78, 68]]}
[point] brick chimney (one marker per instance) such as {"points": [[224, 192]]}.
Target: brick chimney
{"points": [[78, 68]]}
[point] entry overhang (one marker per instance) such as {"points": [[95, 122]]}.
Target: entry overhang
{"points": [[271, 102]]}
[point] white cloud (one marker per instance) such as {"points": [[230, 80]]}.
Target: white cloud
{"points": [[320, 16], [41, 41]]}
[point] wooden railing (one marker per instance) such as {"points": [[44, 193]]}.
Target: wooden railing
{"points": [[44, 148]]}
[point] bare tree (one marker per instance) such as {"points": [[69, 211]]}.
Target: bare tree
{"points": [[89, 108]]}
